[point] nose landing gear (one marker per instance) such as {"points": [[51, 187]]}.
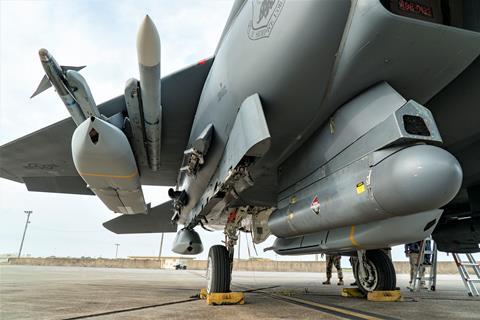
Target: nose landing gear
{"points": [[220, 258], [374, 271], [218, 269]]}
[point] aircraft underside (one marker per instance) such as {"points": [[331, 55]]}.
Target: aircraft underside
{"points": [[327, 124]]}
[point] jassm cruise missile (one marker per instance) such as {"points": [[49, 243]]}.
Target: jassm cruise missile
{"points": [[148, 52]]}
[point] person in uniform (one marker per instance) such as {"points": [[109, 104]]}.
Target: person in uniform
{"points": [[412, 251], [353, 262], [334, 259]]}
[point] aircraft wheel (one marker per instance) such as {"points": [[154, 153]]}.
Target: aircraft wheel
{"points": [[218, 270], [379, 272]]}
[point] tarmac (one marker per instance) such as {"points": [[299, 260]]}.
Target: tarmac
{"points": [[39, 292]]}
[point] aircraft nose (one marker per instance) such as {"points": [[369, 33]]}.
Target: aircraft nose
{"points": [[416, 179]]}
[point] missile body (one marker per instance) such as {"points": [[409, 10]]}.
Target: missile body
{"points": [[148, 51], [55, 74], [82, 93], [416, 179]]}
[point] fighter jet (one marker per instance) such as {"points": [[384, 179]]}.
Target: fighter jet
{"points": [[340, 126]]}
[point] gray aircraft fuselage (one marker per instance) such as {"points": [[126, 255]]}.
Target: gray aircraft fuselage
{"points": [[305, 59], [288, 72]]}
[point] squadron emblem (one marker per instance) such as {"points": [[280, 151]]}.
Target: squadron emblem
{"points": [[264, 15]]}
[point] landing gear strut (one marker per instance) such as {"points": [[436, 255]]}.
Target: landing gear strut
{"points": [[374, 271], [220, 258]]}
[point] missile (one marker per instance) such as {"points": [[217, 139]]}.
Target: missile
{"points": [[104, 159], [55, 75], [70, 86], [416, 179], [148, 52], [82, 93]]}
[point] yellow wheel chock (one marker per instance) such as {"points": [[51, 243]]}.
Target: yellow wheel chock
{"points": [[222, 298], [380, 296], [203, 294], [352, 293], [385, 296]]}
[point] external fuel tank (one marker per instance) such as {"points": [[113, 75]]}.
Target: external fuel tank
{"points": [[104, 159]]}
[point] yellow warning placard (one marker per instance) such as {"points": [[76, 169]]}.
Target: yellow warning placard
{"points": [[360, 187]]}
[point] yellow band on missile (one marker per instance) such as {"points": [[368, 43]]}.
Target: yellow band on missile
{"points": [[352, 237], [85, 174]]}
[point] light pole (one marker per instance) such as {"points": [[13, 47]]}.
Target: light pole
{"points": [[116, 250], [28, 212], [160, 252], [161, 246]]}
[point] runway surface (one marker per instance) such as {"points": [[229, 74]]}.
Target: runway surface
{"points": [[32, 292]]}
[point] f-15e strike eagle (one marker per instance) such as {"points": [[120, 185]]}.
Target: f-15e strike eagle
{"points": [[340, 126]]}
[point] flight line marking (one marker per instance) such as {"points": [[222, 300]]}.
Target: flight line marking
{"points": [[333, 310], [130, 309]]}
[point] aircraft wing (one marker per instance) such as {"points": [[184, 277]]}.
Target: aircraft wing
{"points": [[157, 219], [43, 159]]}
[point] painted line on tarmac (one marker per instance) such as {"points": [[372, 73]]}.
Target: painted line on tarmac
{"points": [[346, 313], [335, 311], [259, 289], [130, 309]]}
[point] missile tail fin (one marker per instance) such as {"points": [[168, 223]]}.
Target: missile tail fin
{"points": [[44, 85], [65, 68]]}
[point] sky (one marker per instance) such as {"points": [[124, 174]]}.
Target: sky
{"points": [[102, 36]]}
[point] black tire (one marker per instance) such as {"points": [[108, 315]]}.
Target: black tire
{"points": [[381, 270], [218, 270]]}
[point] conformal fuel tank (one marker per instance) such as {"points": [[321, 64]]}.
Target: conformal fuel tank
{"points": [[104, 159], [414, 179]]}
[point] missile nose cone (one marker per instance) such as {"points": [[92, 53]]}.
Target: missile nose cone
{"points": [[416, 179], [44, 55], [148, 43]]}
